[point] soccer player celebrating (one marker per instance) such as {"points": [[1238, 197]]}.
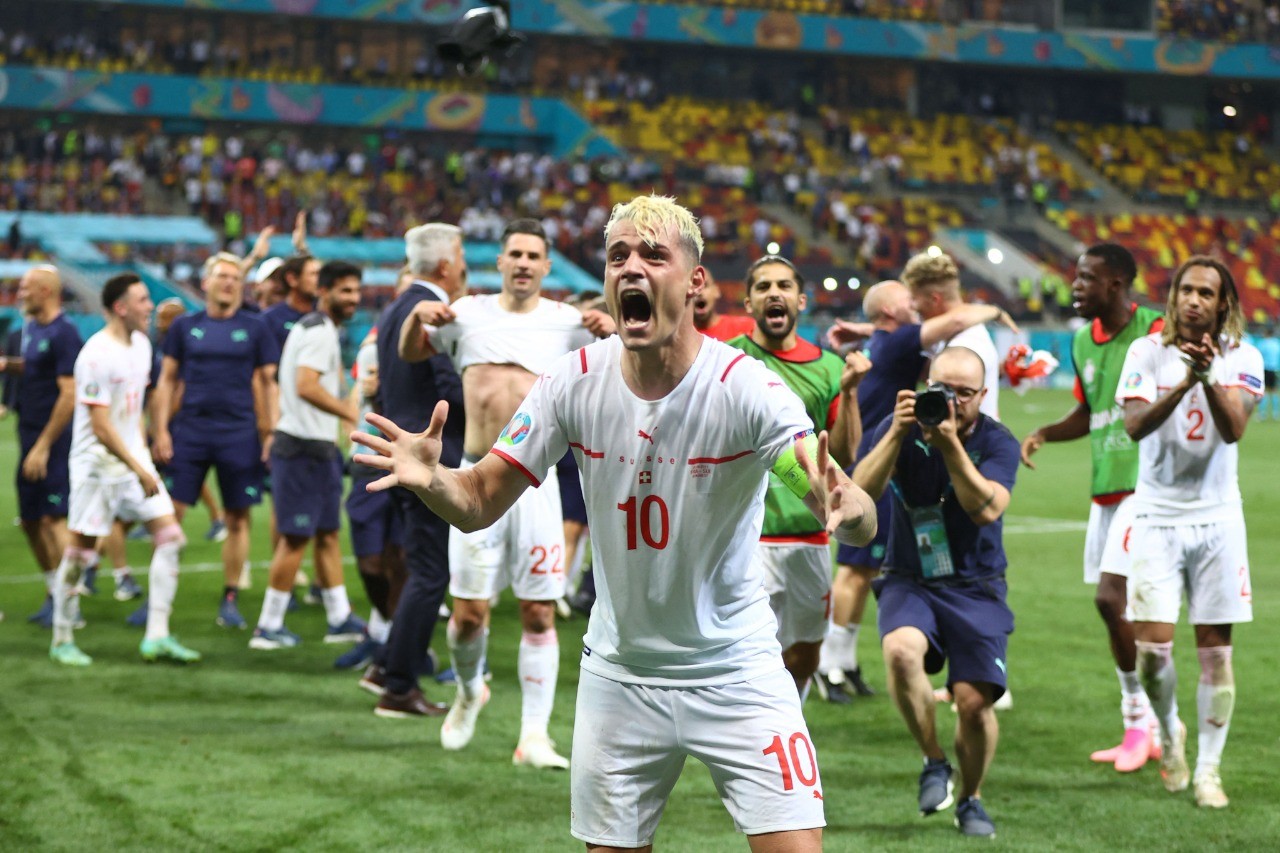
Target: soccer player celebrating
{"points": [[501, 344], [112, 475], [1100, 291], [221, 357], [794, 552], [674, 433], [1187, 394], [45, 399], [708, 319], [306, 468]]}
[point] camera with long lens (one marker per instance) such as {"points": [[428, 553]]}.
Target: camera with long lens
{"points": [[933, 404]]}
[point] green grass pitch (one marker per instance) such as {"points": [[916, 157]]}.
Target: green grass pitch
{"points": [[278, 751]]}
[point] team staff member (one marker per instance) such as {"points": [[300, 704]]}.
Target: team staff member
{"points": [[44, 394], [220, 358], [942, 595], [898, 343], [407, 394], [306, 468]]}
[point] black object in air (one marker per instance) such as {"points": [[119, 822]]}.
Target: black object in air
{"points": [[933, 404], [478, 34]]}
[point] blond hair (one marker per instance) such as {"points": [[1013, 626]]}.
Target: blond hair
{"points": [[220, 258], [925, 270], [653, 216], [1230, 322]]}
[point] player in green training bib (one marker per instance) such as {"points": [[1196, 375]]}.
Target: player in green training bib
{"points": [[793, 545], [1100, 293]]}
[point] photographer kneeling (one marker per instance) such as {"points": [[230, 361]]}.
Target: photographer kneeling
{"points": [[941, 596]]}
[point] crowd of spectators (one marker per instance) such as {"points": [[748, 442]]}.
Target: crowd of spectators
{"points": [[1220, 20]]}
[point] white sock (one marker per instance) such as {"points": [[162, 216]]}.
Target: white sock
{"points": [[1155, 665], [851, 658], [164, 586], [66, 581], [274, 605], [336, 606], [1135, 708], [120, 574], [1215, 700], [51, 580], [379, 628], [836, 648], [539, 666], [468, 660]]}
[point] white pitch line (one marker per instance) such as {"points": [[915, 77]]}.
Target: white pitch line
{"points": [[184, 569]]}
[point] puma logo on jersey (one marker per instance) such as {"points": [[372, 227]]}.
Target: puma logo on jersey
{"points": [[646, 436]]}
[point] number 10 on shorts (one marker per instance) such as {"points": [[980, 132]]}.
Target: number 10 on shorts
{"points": [[796, 761]]}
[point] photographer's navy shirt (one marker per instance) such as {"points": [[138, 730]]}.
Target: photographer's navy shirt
{"points": [[896, 365], [921, 479]]}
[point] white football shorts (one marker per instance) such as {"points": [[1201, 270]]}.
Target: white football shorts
{"points": [[797, 578], [95, 505], [524, 550], [630, 742], [1209, 562], [1106, 542]]}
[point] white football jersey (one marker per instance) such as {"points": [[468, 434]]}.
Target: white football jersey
{"points": [[1185, 469], [674, 491], [485, 333], [108, 373], [978, 339]]}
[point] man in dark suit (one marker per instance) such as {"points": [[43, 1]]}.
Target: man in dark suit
{"points": [[407, 394]]}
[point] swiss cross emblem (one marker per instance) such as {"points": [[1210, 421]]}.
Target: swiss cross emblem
{"points": [[646, 477]]}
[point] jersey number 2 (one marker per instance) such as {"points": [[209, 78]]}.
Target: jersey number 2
{"points": [[654, 530], [1195, 432]]}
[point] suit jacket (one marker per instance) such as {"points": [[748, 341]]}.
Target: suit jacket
{"points": [[408, 393]]}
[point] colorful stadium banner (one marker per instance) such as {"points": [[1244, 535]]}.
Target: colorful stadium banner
{"points": [[496, 120], [970, 43], [403, 11]]}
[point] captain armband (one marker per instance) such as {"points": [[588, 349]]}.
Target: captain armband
{"points": [[789, 470]]}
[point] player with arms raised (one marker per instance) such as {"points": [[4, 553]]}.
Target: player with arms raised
{"points": [[674, 434]]}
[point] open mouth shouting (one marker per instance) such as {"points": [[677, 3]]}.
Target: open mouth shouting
{"points": [[776, 316], [635, 308]]}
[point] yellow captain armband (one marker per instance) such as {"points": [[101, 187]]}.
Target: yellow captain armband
{"points": [[789, 470]]}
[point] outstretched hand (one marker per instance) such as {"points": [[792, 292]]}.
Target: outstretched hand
{"points": [[836, 493], [409, 458]]}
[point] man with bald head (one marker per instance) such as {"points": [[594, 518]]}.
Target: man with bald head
{"points": [[942, 594], [897, 346], [45, 399]]}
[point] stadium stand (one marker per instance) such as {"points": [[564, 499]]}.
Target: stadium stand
{"points": [[1162, 165]]}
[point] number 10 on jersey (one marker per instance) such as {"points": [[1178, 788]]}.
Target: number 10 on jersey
{"points": [[647, 519]]}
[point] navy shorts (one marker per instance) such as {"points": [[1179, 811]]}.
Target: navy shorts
{"points": [[870, 555], [306, 486], [572, 504], [234, 453], [47, 497], [968, 626], [374, 516]]}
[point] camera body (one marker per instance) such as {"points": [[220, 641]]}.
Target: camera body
{"points": [[934, 404], [481, 32]]}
